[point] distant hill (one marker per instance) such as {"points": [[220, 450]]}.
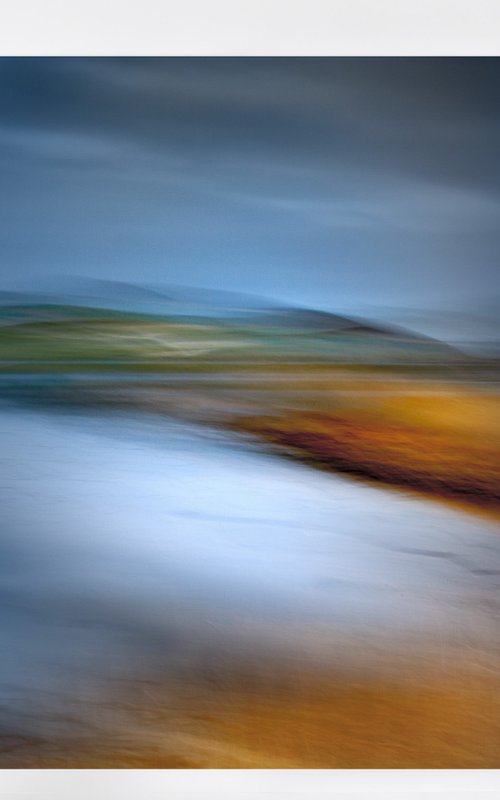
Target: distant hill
{"points": [[120, 291], [303, 319], [307, 320], [35, 313], [25, 298], [128, 296], [348, 339], [218, 298], [91, 298]]}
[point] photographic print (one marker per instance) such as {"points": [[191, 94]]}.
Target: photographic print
{"points": [[249, 413]]}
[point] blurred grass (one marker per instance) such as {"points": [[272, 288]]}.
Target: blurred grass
{"points": [[444, 443]]}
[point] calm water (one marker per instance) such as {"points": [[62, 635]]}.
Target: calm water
{"points": [[130, 541]]}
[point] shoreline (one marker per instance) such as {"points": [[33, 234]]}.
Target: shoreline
{"points": [[332, 454], [397, 441]]}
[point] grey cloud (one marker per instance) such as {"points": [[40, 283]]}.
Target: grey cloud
{"points": [[326, 179]]}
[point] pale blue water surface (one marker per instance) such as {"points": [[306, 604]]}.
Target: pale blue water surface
{"points": [[128, 540]]}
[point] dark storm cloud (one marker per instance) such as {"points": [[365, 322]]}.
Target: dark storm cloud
{"points": [[340, 181]]}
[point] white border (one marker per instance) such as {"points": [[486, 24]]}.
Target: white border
{"points": [[250, 27], [251, 784]]}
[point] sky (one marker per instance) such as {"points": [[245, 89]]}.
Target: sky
{"points": [[341, 183]]}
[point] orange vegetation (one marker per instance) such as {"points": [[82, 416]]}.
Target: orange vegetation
{"points": [[444, 444]]}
